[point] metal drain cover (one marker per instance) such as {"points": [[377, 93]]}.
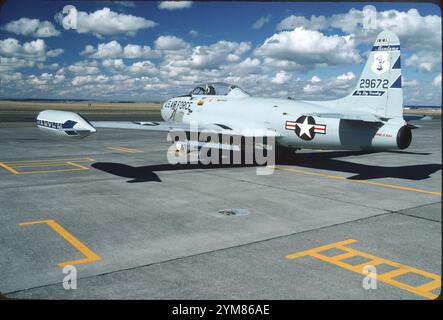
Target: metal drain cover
{"points": [[232, 212]]}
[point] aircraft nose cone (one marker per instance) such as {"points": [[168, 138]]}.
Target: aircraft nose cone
{"points": [[165, 112]]}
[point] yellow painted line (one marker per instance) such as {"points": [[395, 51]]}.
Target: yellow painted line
{"points": [[374, 262], [131, 149], [12, 163], [374, 183], [12, 166], [116, 149], [430, 286], [125, 150], [78, 165], [423, 290], [89, 254], [78, 168], [343, 256], [53, 171], [53, 164], [319, 249], [8, 168]]}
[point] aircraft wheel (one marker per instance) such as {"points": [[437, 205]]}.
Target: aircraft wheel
{"points": [[180, 147]]}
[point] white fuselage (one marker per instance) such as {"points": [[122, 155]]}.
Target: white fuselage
{"points": [[280, 115]]}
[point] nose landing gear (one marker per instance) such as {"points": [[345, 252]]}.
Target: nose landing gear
{"points": [[180, 148]]}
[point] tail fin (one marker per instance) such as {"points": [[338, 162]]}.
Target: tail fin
{"points": [[378, 90]]}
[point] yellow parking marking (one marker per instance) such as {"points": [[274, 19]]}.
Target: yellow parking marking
{"points": [[125, 150], [89, 254], [84, 159], [52, 164], [8, 168], [388, 277], [73, 164], [374, 183]]}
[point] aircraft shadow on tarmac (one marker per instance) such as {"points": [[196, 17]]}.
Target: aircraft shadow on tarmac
{"points": [[311, 160]]}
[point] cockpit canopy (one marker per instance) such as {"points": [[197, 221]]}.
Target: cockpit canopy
{"points": [[219, 89]]}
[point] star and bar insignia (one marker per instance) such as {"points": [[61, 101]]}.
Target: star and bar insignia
{"points": [[306, 128]]}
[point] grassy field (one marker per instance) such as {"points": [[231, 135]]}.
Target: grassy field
{"points": [[77, 106], [435, 112], [13, 112]]}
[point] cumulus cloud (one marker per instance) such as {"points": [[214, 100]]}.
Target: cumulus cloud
{"points": [[281, 77], [414, 30], [9, 64], [84, 67], [111, 49], [105, 22], [143, 68], [292, 22], [214, 56], [139, 68], [55, 53], [170, 43], [194, 33], [129, 4], [132, 51], [346, 76], [261, 22], [308, 47], [37, 83], [114, 64], [409, 83], [276, 68], [114, 49], [81, 80], [11, 76], [174, 5], [315, 79], [51, 66], [422, 61], [437, 80], [32, 28], [329, 88], [34, 50], [312, 89], [247, 66]]}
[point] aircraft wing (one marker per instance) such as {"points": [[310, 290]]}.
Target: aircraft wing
{"points": [[136, 125], [72, 124], [218, 128]]}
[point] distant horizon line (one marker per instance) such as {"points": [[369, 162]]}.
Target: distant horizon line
{"points": [[144, 101], [78, 100]]}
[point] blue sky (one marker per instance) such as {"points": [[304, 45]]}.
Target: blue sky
{"points": [[164, 49]]}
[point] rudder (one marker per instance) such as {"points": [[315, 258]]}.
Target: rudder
{"points": [[379, 86], [378, 91]]}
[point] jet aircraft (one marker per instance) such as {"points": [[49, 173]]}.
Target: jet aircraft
{"points": [[369, 118]]}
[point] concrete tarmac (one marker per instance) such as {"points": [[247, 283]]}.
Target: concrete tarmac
{"points": [[136, 227]]}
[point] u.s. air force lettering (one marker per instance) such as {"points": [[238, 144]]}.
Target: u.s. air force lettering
{"points": [[305, 127]]}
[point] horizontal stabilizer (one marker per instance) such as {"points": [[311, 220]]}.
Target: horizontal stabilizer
{"points": [[413, 126], [412, 117]]}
